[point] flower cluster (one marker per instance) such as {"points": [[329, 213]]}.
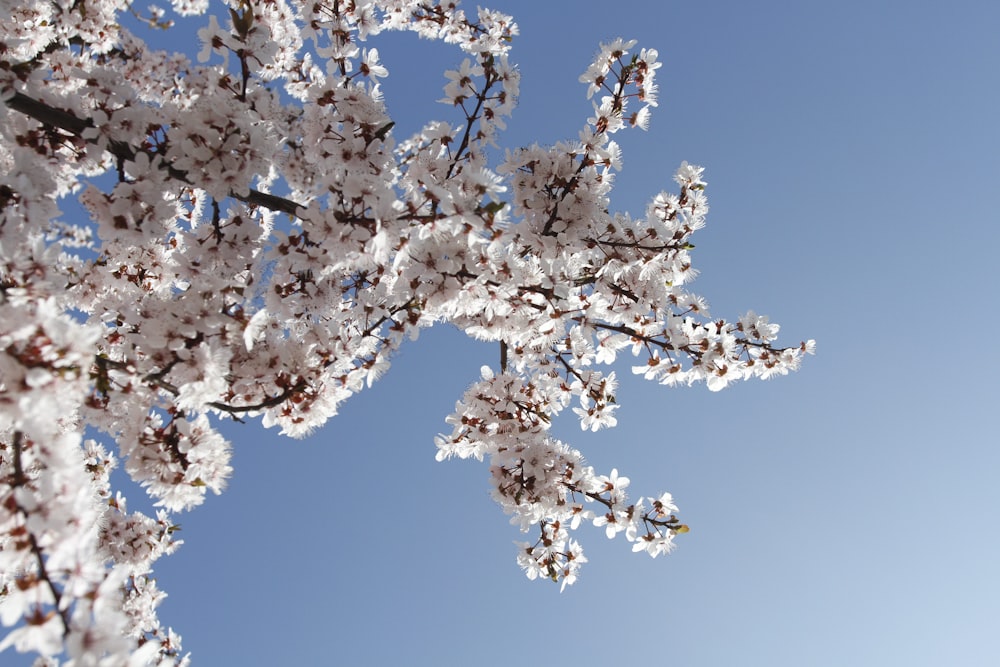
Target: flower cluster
{"points": [[256, 241], [543, 482]]}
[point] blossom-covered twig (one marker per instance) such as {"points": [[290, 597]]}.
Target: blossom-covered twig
{"points": [[262, 246]]}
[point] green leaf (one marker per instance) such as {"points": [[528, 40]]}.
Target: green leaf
{"points": [[383, 131], [242, 23], [494, 207]]}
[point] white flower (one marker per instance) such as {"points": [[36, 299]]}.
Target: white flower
{"points": [[253, 329], [370, 65], [689, 176]]}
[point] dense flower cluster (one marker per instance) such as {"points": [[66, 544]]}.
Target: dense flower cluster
{"points": [[194, 289]]}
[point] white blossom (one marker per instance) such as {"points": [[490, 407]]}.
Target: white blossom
{"points": [[258, 241]]}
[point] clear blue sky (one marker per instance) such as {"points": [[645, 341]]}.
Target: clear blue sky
{"points": [[845, 515]]}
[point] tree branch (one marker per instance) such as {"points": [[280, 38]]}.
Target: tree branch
{"points": [[76, 126], [21, 479]]}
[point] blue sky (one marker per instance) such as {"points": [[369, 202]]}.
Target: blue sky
{"points": [[845, 515]]}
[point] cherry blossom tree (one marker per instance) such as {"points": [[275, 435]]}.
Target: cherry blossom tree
{"points": [[258, 242]]}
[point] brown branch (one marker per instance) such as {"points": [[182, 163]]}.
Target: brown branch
{"points": [[634, 245], [76, 126], [20, 479], [470, 120], [156, 380]]}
